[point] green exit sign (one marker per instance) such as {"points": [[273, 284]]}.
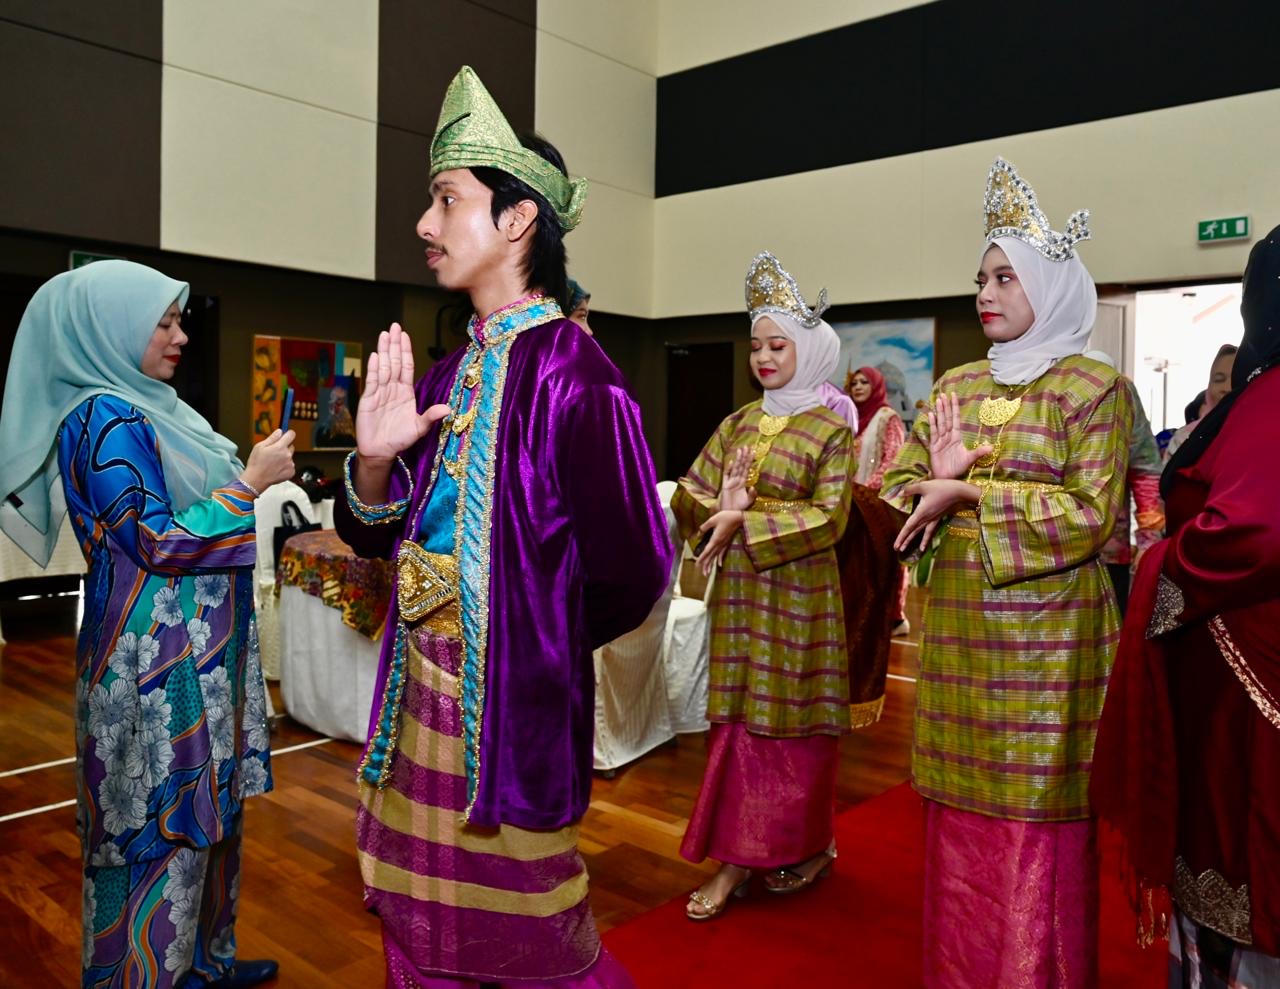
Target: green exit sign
{"points": [[1232, 228], [80, 258]]}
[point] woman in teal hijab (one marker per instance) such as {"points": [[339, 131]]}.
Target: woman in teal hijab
{"points": [[171, 731]]}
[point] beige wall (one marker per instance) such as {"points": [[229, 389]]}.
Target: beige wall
{"points": [[269, 155], [268, 134], [900, 228], [695, 33], [910, 227], [596, 101]]}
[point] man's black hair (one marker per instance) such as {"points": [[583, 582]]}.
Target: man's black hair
{"points": [[1192, 411], [545, 263]]}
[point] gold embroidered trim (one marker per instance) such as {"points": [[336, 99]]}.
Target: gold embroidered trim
{"points": [[963, 531], [1169, 605], [1023, 485], [427, 581], [867, 713], [476, 576], [446, 621], [392, 511], [779, 505], [1210, 900], [1257, 690]]}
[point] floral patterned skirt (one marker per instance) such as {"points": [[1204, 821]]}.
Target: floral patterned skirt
{"points": [[162, 923]]}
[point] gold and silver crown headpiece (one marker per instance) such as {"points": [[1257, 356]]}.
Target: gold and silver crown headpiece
{"points": [[1012, 211], [771, 289]]}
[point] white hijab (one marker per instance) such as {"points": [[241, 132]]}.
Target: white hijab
{"points": [[817, 354], [1065, 303]]}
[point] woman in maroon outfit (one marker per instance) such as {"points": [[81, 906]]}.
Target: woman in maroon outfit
{"points": [[1187, 764]]}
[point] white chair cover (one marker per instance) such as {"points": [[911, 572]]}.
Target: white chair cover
{"points": [[632, 715], [686, 653], [65, 561], [268, 512]]}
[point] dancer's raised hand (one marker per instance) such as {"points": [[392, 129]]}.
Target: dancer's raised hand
{"points": [[734, 493], [949, 457]]}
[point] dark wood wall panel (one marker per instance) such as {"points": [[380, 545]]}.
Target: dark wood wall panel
{"points": [[421, 46], [85, 125], [950, 73], [133, 26]]}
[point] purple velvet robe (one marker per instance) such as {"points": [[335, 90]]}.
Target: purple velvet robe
{"points": [[578, 556]]}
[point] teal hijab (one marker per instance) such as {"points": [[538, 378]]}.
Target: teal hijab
{"points": [[84, 333]]}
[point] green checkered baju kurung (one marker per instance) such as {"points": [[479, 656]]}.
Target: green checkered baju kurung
{"points": [[778, 660], [1021, 626]]}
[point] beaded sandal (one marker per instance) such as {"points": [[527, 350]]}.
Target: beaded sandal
{"points": [[712, 908], [790, 881]]}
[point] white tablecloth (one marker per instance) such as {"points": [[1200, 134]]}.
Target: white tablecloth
{"points": [[327, 670], [686, 651], [686, 660]]}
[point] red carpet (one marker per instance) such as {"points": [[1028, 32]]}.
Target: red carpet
{"points": [[860, 927]]}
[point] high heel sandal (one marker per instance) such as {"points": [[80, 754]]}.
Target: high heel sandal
{"points": [[713, 909], [788, 880]]}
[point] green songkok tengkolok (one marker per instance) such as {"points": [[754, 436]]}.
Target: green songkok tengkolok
{"points": [[473, 133]]}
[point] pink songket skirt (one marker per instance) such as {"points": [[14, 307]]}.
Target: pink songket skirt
{"points": [[1009, 904], [765, 803]]}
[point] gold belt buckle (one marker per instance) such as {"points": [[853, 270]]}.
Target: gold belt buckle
{"points": [[427, 581]]}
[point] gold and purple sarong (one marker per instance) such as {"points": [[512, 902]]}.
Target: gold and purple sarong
{"points": [[455, 900]]}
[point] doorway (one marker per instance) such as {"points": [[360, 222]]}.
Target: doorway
{"points": [[699, 397], [196, 377], [1178, 333]]}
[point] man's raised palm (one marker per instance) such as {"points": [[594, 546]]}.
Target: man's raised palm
{"points": [[387, 419]]}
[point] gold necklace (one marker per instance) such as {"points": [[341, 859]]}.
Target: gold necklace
{"points": [[770, 427], [995, 411]]}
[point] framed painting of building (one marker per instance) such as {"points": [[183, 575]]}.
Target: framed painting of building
{"points": [[900, 349]]}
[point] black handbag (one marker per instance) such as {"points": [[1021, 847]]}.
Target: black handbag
{"points": [[292, 523]]}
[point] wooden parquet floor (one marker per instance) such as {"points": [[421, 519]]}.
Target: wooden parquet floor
{"points": [[300, 899]]}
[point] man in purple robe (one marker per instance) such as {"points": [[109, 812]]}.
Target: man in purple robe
{"points": [[514, 488]]}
